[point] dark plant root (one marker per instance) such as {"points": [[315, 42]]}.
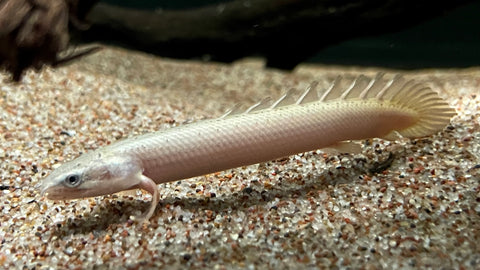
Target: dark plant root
{"points": [[378, 167], [34, 32], [67, 59], [285, 32]]}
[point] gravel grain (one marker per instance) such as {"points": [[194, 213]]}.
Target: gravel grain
{"points": [[421, 207]]}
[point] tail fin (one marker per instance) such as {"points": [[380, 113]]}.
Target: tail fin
{"points": [[434, 113]]}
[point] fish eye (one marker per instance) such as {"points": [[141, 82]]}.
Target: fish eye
{"points": [[72, 180]]}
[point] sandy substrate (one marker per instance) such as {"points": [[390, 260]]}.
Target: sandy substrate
{"points": [[309, 210]]}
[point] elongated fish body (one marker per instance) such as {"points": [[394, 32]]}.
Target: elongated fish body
{"points": [[348, 110]]}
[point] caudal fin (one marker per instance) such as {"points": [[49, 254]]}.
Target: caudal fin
{"points": [[433, 112]]}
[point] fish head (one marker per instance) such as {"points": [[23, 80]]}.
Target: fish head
{"points": [[92, 174]]}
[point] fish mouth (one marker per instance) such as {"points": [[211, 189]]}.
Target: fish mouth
{"points": [[46, 192], [44, 189], [54, 192], [50, 189]]}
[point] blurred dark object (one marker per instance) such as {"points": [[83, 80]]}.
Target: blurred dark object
{"points": [[33, 32], [286, 32]]}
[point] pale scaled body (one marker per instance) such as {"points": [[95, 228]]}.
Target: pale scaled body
{"points": [[349, 110]]}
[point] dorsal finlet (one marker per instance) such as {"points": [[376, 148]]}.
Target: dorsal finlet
{"points": [[360, 83], [391, 85], [234, 110], [309, 95], [263, 104], [377, 78], [331, 89], [286, 99]]}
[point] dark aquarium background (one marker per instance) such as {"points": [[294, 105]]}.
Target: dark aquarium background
{"points": [[395, 34]]}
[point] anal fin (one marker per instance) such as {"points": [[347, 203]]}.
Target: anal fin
{"points": [[353, 147]]}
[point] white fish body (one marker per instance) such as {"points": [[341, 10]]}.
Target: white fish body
{"points": [[364, 108]]}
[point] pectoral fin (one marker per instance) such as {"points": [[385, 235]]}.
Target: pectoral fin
{"points": [[148, 185]]}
